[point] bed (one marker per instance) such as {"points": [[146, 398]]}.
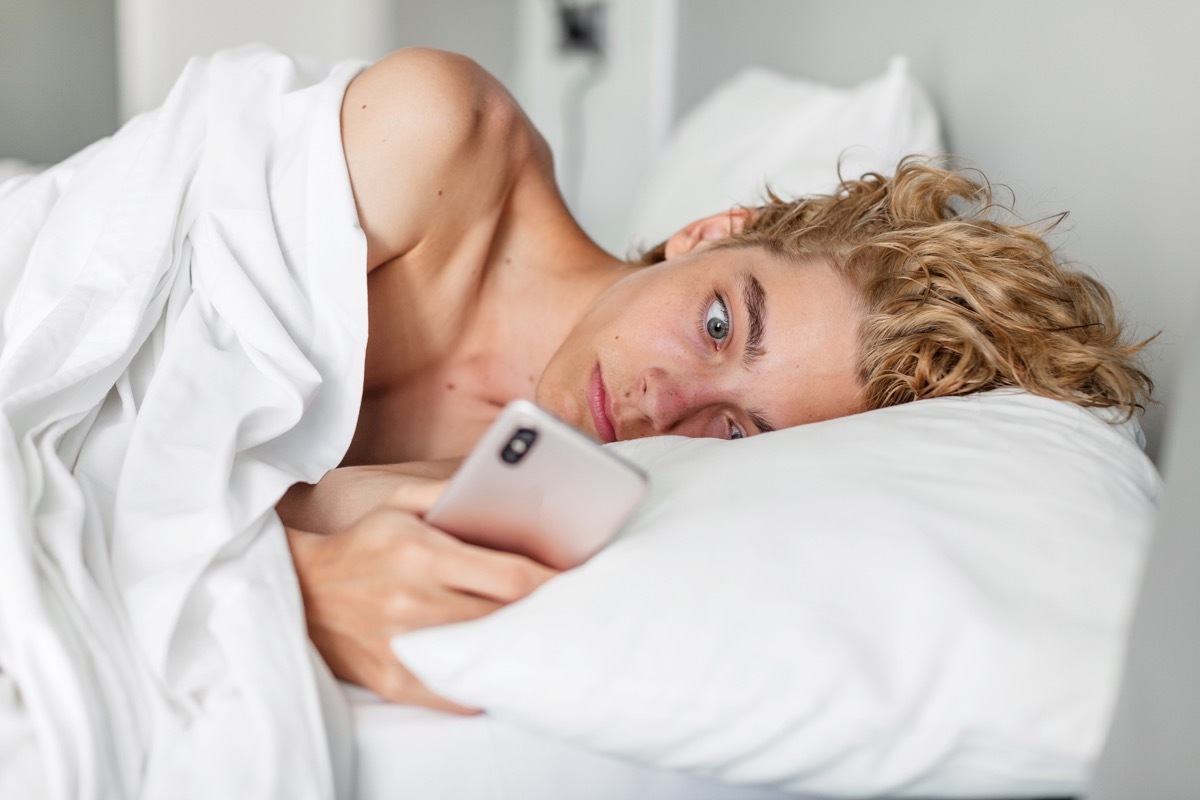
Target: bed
{"points": [[966, 648], [670, 689], [410, 752]]}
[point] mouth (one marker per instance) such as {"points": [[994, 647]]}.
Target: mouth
{"points": [[598, 404]]}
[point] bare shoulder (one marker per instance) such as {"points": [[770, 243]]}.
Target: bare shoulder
{"points": [[445, 94], [429, 137]]}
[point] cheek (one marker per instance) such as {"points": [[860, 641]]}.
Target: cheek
{"points": [[557, 381], [630, 351], [829, 393], [668, 327]]}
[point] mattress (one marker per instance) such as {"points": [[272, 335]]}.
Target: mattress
{"points": [[418, 754]]}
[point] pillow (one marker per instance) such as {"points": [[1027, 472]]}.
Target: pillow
{"points": [[761, 126], [925, 600]]}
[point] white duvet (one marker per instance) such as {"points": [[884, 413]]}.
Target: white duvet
{"points": [[183, 334]]}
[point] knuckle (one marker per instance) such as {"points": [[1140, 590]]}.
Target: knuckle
{"points": [[401, 607], [377, 526], [401, 497], [414, 551], [515, 580]]}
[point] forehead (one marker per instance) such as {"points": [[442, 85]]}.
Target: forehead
{"points": [[811, 288]]}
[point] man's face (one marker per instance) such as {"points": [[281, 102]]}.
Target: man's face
{"points": [[720, 342]]}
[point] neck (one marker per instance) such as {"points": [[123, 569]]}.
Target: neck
{"points": [[564, 283], [550, 276], [561, 254]]}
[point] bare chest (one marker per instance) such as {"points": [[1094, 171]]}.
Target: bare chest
{"points": [[442, 359], [458, 327], [436, 413]]}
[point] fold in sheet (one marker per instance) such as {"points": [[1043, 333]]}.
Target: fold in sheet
{"points": [[183, 338]]}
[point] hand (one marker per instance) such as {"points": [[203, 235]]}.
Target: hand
{"points": [[390, 573]]}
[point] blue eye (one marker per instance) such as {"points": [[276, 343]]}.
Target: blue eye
{"points": [[735, 432], [716, 320]]}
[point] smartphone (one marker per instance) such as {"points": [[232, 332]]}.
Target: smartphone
{"points": [[536, 486]]}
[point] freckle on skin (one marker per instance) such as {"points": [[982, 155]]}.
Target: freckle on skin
{"points": [[450, 386], [364, 105], [439, 192]]}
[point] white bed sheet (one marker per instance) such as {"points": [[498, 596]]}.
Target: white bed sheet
{"points": [[152, 639], [418, 754]]}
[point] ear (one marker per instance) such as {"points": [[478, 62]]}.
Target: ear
{"points": [[709, 229]]}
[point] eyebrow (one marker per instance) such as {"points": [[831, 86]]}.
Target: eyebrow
{"points": [[755, 298]]}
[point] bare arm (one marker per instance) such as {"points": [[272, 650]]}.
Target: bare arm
{"points": [[345, 495]]}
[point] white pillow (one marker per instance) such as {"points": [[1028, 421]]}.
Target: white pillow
{"points": [[761, 126], [924, 600]]}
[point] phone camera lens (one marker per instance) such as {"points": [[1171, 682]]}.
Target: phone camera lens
{"points": [[518, 445]]}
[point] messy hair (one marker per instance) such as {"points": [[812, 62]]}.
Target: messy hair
{"points": [[957, 296]]}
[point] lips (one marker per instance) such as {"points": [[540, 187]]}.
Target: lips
{"points": [[598, 404]]}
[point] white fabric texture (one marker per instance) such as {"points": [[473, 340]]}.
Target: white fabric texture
{"points": [[762, 128], [183, 337], [926, 600]]}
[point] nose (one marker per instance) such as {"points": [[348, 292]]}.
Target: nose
{"points": [[673, 403]]}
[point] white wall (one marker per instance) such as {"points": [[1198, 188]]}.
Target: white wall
{"points": [[57, 77], [157, 37], [1086, 105], [604, 119]]}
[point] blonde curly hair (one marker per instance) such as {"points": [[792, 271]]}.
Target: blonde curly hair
{"points": [[955, 301]]}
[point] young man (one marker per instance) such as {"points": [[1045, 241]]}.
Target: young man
{"points": [[482, 288]]}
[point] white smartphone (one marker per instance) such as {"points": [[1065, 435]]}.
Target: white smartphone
{"points": [[536, 486]]}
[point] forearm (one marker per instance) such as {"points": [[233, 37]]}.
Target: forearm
{"points": [[345, 495]]}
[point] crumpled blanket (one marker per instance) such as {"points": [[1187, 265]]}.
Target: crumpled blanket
{"points": [[184, 329]]}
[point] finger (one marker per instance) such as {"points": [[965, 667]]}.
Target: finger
{"points": [[378, 669], [401, 686], [410, 611], [417, 495], [444, 561], [503, 577]]}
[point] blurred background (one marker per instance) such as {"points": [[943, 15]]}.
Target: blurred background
{"points": [[1086, 105]]}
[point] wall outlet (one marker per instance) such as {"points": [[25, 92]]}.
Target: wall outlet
{"points": [[581, 28]]}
